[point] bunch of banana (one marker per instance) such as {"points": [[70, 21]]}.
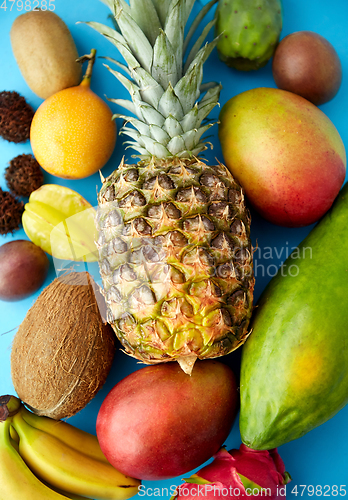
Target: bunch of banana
{"points": [[45, 459]]}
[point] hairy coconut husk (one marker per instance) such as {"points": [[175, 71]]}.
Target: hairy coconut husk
{"points": [[62, 352]]}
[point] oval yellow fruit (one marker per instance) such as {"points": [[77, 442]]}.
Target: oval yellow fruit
{"points": [[72, 133]]}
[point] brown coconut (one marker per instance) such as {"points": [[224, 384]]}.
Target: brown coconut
{"points": [[62, 352]]}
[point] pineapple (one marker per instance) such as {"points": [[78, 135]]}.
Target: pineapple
{"points": [[174, 232]]}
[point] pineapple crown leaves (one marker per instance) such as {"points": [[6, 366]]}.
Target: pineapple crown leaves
{"points": [[167, 99]]}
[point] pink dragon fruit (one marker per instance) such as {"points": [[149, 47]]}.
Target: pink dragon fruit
{"points": [[237, 474]]}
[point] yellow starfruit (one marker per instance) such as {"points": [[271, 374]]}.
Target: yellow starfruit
{"points": [[61, 222]]}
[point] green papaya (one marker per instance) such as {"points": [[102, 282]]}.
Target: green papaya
{"points": [[249, 30], [294, 374]]}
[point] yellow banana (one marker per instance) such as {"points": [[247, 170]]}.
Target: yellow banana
{"points": [[76, 438], [17, 482], [70, 496], [14, 435], [66, 468], [16, 479]]}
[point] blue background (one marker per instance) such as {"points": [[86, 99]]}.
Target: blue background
{"points": [[320, 457]]}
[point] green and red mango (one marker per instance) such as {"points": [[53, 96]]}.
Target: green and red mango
{"points": [[285, 152]]}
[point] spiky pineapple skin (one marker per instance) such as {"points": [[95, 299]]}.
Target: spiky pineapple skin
{"points": [[174, 243], [175, 259]]}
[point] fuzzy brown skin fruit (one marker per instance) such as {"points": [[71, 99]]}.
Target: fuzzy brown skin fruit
{"points": [[159, 422], [45, 52], [308, 65], [285, 152], [23, 269]]}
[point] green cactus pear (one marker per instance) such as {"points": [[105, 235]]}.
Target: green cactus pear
{"points": [[249, 30], [294, 373]]}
